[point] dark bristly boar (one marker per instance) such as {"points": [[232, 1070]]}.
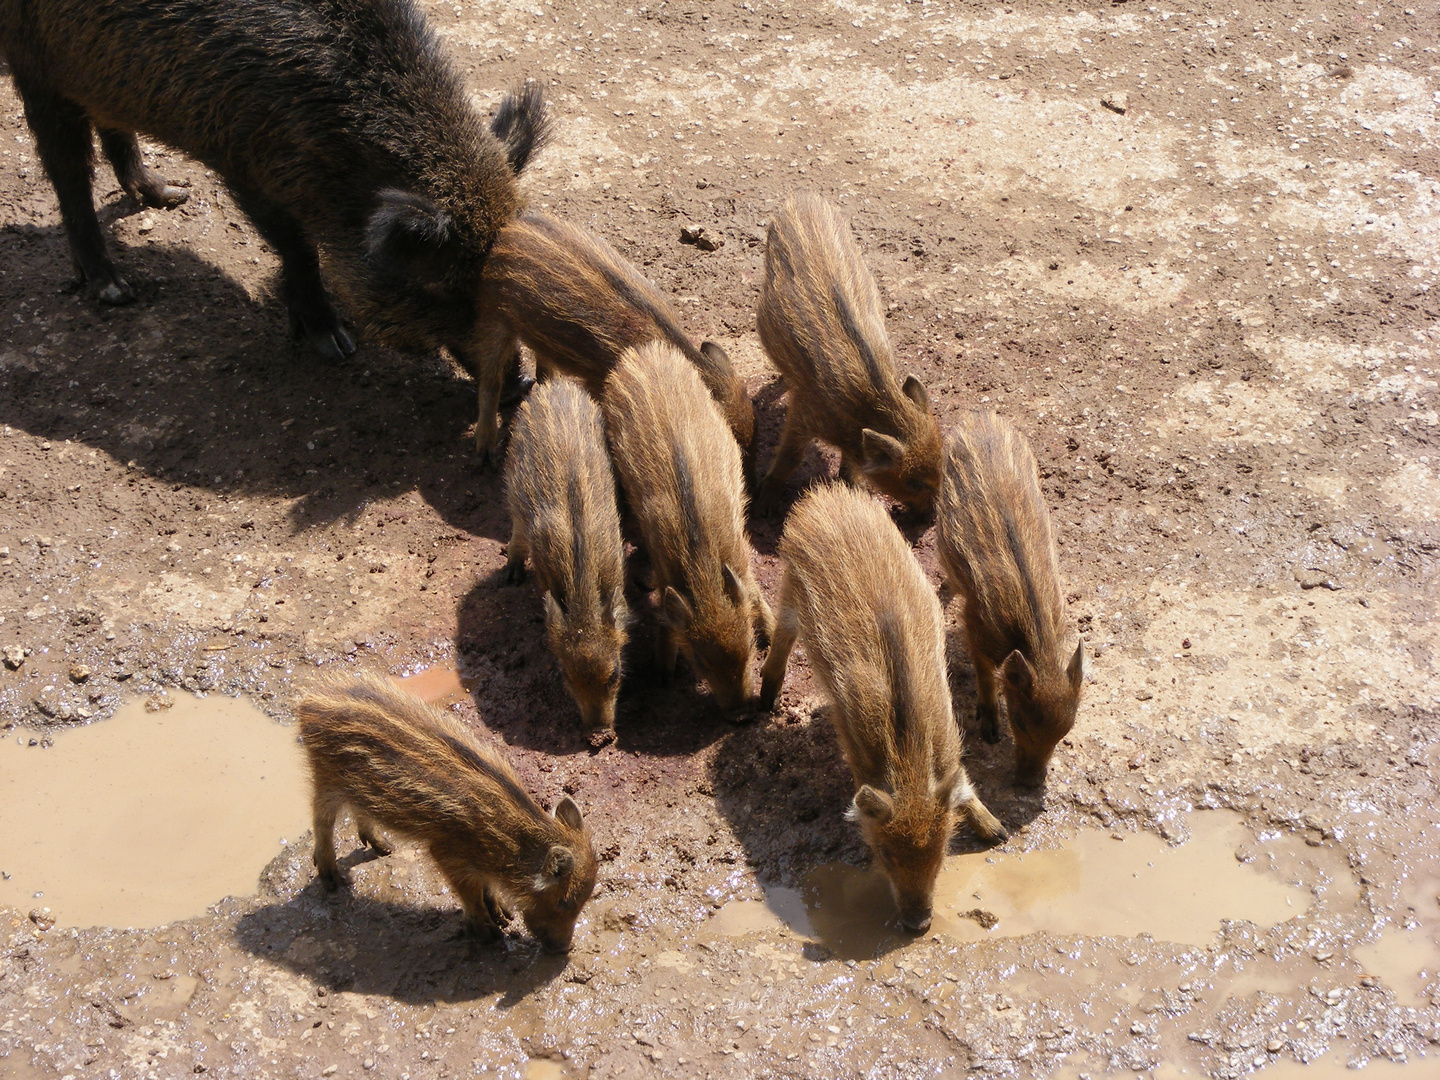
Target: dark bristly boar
{"points": [[858, 601], [680, 470], [578, 304], [563, 516], [822, 323], [995, 543], [402, 765], [339, 126]]}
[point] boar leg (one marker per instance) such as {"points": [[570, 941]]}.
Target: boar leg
{"points": [[489, 357], [327, 808], [471, 889], [782, 640], [368, 836], [63, 137], [311, 316], [140, 182], [987, 700], [793, 442]]}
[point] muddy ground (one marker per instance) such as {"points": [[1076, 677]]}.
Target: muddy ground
{"points": [[1190, 252]]}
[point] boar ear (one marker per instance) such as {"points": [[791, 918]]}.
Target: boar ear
{"points": [[874, 804], [408, 235], [568, 814], [1018, 674], [559, 862], [881, 451], [915, 391], [734, 587], [616, 613], [675, 610], [1075, 670], [554, 611]]}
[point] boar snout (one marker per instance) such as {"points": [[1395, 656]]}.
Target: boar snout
{"points": [[1030, 771], [554, 941], [916, 919]]}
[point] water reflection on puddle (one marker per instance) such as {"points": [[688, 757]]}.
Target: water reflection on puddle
{"points": [[1093, 885], [148, 817]]}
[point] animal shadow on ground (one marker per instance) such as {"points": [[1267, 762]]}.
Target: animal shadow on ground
{"points": [[819, 464], [518, 689], [412, 952], [199, 383]]}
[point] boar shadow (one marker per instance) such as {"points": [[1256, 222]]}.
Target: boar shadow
{"points": [[413, 954], [198, 383], [520, 694]]}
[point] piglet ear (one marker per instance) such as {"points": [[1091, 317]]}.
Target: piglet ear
{"points": [[1075, 670], [1017, 673], [559, 862], [915, 391], [554, 610], [881, 451], [675, 610], [616, 612], [409, 236], [568, 814], [734, 587], [874, 804]]}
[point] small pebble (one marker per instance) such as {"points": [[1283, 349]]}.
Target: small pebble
{"points": [[79, 673]]}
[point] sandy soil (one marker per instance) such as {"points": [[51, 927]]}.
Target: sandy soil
{"points": [[1191, 253]]}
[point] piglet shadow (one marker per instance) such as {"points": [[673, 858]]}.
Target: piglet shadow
{"points": [[408, 947]]}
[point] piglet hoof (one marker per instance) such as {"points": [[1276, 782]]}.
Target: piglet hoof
{"points": [[483, 933], [516, 390], [498, 912], [514, 574], [163, 196], [989, 724], [333, 881]]}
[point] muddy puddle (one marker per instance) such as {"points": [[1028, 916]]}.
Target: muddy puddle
{"points": [[1406, 957], [1095, 885], [150, 816], [439, 685]]}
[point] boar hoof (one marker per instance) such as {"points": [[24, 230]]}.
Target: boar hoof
{"points": [[473, 930], [514, 574], [334, 881], [321, 330], [114, 291]]}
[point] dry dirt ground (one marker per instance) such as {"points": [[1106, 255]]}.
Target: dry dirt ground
{"points": [[1190, 251]]}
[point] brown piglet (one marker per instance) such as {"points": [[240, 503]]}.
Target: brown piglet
{"points": [[995, 543], [406, 766], [858, 601], [680, 471], [578, 304], [823, 326], [563, 515]]}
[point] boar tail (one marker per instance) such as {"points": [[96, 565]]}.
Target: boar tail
{"points": [[522, 124]]}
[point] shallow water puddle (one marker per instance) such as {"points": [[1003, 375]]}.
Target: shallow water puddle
{"points": [[439, 685], [1407, 960], [1094, 885], [148, 817]]}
